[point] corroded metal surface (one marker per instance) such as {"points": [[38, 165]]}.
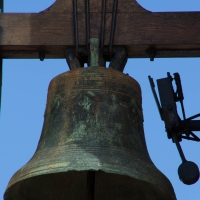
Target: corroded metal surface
{"points": [[93, 121]]}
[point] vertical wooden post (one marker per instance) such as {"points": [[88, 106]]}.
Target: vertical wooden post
{"points": [[1, 62]]}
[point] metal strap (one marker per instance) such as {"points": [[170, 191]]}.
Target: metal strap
{"points": [[75, 26], [113, 27], [103, 24], [87, 9]]}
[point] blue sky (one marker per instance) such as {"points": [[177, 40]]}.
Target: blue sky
{"points": [[25, 85]]}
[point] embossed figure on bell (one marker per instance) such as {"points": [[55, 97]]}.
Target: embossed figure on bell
{"points": [[93, 123]]}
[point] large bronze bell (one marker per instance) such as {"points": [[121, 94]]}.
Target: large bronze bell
{"points": [[92, 144], [93, 125]]}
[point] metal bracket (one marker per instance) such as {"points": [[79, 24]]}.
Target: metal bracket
{"points": [[71, 59], [42, 55], [119, 59], [177, 128], [168, 110], [152, 54], [117, 62]]}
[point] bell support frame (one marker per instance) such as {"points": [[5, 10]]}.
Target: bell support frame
{"points": [[169, 34]]}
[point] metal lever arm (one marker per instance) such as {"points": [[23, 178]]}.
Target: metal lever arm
{"points": [[175, 139], [155, 96], [180, 96]]}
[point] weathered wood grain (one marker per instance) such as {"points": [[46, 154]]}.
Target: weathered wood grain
{"points": [[24, 35]]}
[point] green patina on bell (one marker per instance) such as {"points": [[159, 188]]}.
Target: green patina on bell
{"points": [[93, 122]]}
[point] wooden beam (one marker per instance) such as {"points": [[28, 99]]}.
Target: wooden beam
{"points": [[174, 34]]}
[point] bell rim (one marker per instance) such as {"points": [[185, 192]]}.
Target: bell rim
{"points": [[153, 172]]}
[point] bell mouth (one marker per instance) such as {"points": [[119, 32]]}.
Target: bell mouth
{"points": [[72, 185], [126, 166]]}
